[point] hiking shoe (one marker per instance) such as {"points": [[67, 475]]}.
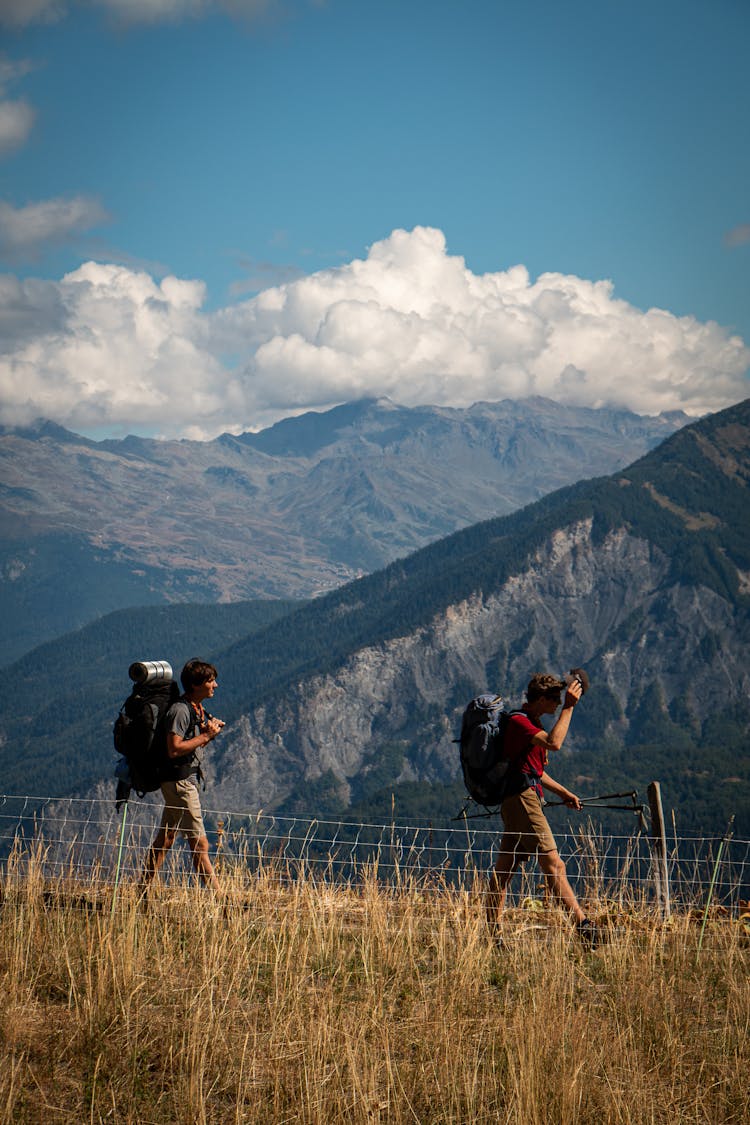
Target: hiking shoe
{"points": [[591, 935]]}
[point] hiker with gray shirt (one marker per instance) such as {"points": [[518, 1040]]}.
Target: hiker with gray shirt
{"points": [[188, 728]]}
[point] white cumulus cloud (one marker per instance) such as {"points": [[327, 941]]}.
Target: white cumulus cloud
{"points": [[413, 322], [110, 348]]}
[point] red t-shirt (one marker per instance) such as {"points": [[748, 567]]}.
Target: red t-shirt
{"points": [[528, 759]]}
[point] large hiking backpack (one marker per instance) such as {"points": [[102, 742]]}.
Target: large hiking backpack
{"points": [[485, 770], [139, 727]]}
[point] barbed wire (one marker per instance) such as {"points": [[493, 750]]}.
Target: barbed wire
{"points": [[87, 839]]}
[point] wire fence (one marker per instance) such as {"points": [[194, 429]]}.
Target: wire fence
{"points": [[89, 842]]}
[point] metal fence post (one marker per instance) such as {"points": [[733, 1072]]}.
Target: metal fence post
{"points": [[119, 856]]}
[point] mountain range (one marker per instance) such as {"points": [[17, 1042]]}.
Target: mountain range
{"points": [[296, 510], [351, 701]]}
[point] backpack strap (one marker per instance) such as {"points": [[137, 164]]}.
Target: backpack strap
{"points": [[191, 732]]}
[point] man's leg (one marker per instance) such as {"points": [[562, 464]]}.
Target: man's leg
{"points": [[557, 881], [502, 873], [191, 825], [166, 835], [202, 861], [156, 855]]}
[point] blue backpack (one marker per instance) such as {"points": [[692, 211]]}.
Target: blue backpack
{"points": [[486, 771]]}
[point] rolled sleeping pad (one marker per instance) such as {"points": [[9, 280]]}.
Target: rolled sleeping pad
{"points": [[150, 672]]}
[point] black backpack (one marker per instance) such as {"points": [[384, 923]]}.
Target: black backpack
{"points": [[486, 772], [139, 736]]}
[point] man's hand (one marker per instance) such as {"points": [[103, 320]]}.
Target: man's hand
{"points": [[560, 791], [573, 693], [212, 727]]}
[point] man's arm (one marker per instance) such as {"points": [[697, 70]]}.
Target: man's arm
{"points": [[178, 747], [560, 791], [556, 737]]}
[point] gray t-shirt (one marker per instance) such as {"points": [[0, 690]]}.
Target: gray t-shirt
{"points": [[182, 721], [180, 718]]}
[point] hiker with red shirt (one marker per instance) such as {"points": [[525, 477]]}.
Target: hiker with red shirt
{"points": [[526, 831], [189, 727]]}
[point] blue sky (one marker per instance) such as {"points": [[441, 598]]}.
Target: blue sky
{"points": [[198, 202]]}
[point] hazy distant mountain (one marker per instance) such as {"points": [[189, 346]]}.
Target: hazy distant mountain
{"points": [[298, 509], [642, 576]]}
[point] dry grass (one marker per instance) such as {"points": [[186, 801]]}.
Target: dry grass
{"points": [[305, 1002]]}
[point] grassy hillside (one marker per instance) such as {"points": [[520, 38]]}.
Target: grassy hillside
{"points": [[306, 1002]]}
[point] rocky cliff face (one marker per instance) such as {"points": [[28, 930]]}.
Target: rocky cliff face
{"points": [[606, 605]]}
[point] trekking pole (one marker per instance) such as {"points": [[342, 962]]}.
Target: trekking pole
{"points": [[598, 802], [119, 856], [725, 840], [632, 793], [464, 815]]}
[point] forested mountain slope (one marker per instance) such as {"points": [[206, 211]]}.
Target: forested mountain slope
{"points": [[60, 701]]}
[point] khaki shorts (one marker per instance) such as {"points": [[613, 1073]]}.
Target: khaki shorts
{"points": [[526, 829], [182, 808]]}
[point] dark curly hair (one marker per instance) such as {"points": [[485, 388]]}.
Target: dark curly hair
{"points": [[195, 673], [543, 684]]}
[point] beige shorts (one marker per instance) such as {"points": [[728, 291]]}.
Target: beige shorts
{"points": [[526, 829], [182, 808]]}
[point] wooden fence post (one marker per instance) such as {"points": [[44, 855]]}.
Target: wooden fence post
{"points": [[658, 842]]}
